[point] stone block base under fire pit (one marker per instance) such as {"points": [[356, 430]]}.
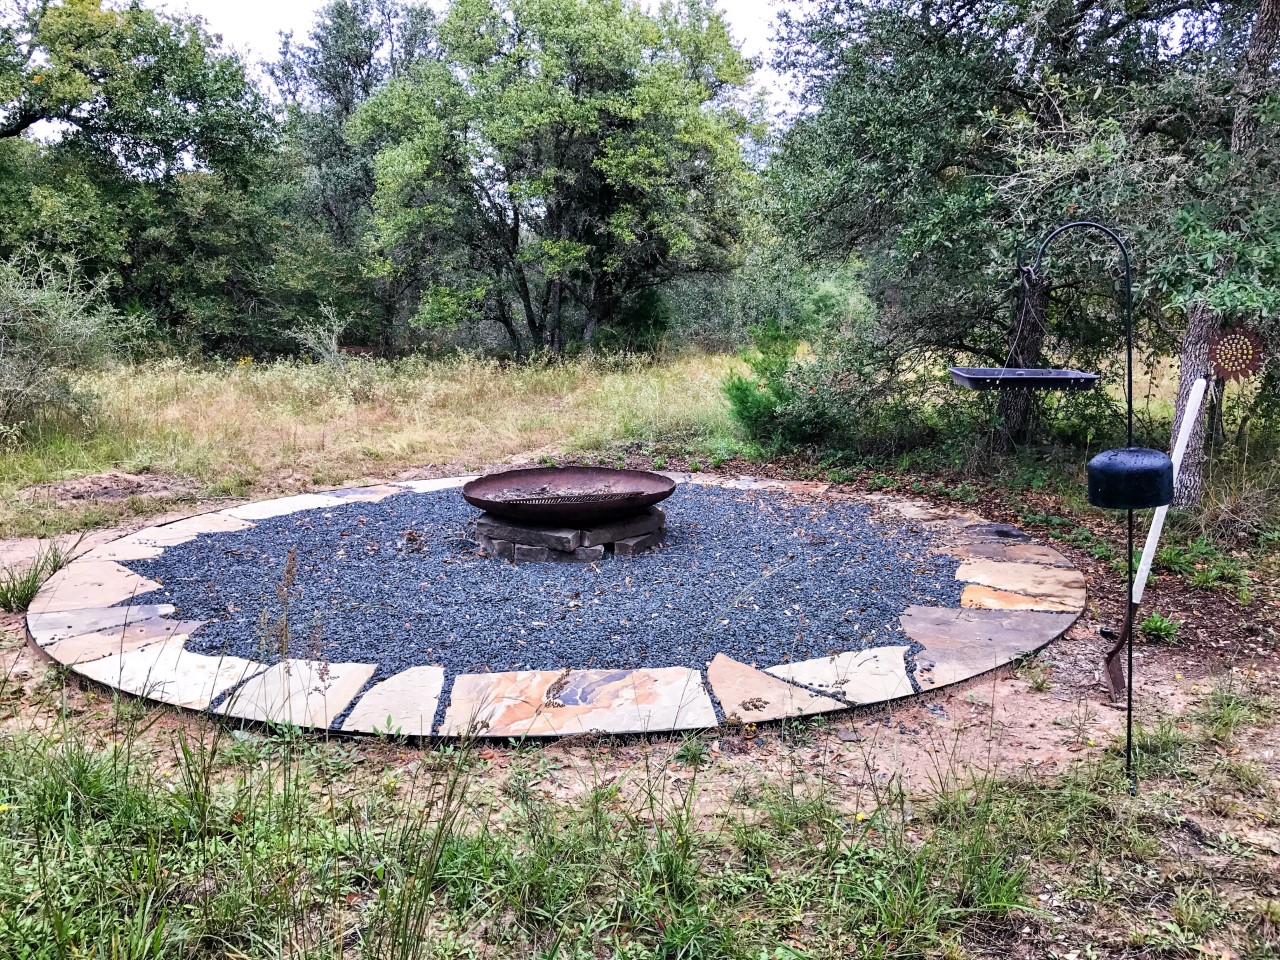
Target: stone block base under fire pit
{"points": [[524, 544]]}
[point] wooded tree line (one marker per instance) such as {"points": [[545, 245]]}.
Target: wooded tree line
{"points": [[528, 168], [942, 140], [542, 176]]}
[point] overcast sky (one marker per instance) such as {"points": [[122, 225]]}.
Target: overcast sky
{"points": [[253, 26]]}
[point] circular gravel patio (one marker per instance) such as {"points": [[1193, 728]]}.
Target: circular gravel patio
{"points": [[372, 610]]}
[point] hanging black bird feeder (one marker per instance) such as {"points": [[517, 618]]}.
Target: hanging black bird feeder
{"points": [[1133, 478]]}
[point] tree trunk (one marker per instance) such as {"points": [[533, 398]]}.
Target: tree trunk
{"points": [[1202, 324], [1026, 340], [1252, 85]]}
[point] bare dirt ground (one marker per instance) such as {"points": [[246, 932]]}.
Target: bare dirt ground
{"points": [[1040, 717]]}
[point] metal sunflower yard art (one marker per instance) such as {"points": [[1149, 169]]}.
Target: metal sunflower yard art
{"points": [[1236, 354]]}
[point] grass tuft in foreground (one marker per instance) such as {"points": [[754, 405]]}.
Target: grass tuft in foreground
{"points": [[20, 584]]}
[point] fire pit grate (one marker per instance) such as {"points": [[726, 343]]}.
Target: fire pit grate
{"points": [[568, 496], [576, 498]]}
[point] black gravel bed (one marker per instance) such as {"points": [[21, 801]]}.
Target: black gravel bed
{"points": [[761, 576]]}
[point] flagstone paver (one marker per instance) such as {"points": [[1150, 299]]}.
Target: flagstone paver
{"points": [[959, 644], [979, 597], [265, 509], [1031, 579], [90, 583], [543, 703], [748, 695], [94, 615], [47, 628], [859, 677], [306, 693], [170, 674], [404, 704], [117, 640], [374, 494], [152, 541], [1011, 552]]}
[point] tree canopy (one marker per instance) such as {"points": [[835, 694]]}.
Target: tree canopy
{"points": [[943, 140], [557, 157]]}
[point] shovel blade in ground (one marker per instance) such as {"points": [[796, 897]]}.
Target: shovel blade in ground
{"points": [[1114, 662]]}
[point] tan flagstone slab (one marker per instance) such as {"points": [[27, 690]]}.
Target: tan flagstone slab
{"points": [[914, 510], [959, 644], [90, 583], [119, 640], [180, 531], [306, 693], [805, 487], [170, 674], [125, 549], [1008, 551], [430, 486], [748, 695], [404, 704], [47, 628], [977, 597], [540, 703], [975, 530], [282, 506], [152, 541], [372, 494], [862, 676], [1031, 579]]}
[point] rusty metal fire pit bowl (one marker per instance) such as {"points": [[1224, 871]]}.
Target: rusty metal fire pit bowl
{"points": [[568, 496]]}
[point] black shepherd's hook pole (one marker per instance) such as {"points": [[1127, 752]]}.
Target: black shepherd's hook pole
{"points": [[1128, 333]]}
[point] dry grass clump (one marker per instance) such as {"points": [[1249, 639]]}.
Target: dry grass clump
{"points": [[246, 427]]}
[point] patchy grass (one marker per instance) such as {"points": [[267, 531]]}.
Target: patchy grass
{"points": [[1233, 705], [212, 852], [20, 584], [240, 429]]}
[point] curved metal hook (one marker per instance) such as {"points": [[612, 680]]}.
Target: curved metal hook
{"points": [[1128, 292]]}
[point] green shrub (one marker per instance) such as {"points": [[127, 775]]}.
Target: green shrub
{"points": [[1160, 629], [51, 321]]}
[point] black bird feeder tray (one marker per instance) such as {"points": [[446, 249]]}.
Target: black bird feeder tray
{"points": [[1022, 378], [1128, 479]]}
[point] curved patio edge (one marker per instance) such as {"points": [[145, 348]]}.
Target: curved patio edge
{"points": [[100, 619]]}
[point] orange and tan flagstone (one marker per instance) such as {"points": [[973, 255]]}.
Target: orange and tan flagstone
{"points": [[1011, 552], [1029, 579], [542, 703], [977, 597]]}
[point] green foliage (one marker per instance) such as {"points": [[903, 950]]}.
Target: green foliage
{"points": [[51, 321], [1233, 705], [560, 157], [940, 143], [1160, 629], [149, 91]]}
